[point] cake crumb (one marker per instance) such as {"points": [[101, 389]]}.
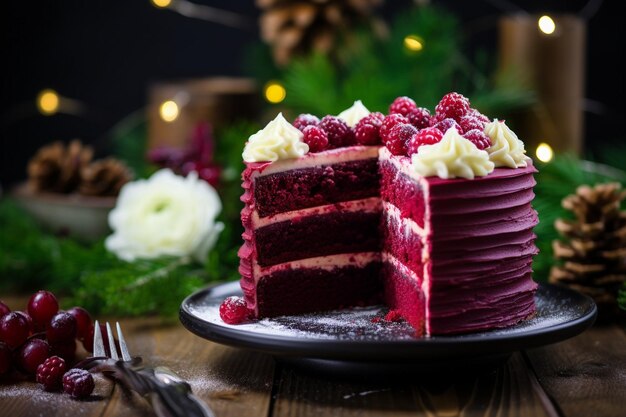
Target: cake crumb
{"points": [[393, 316]]}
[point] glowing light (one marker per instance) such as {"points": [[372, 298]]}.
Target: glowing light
{"points": [[48, 102], [161, 3], [546, 25], [544, 152], [413, 43], [169, 111], [274, 92]]}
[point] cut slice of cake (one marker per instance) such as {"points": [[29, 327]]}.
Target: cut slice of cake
{"points": [[437, 224]]}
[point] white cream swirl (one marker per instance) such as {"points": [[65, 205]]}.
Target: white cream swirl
{"points": [[452, 157], [506, 149], [278, 140], [353, 114]]}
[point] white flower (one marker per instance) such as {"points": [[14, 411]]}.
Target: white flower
{"points": [[165, 215]]}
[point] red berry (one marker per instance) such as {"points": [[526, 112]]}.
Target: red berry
{"points": [[419, 117], [5, 358], [32, 354], [338, 132], [428, 136], [29, 320], [234, 310], [478, 138], [4, 309], [366, 130], [388, 123], [316, 138], [453, 105], [393, 316], [62, 328], [41, 307], [398, 138], [66, 350], [83, 321], [305, 120], [50, 373], [88, 339], [468, 123], [78, 383], [446, 124], [478, 115], [402, 105], [13, 329]]}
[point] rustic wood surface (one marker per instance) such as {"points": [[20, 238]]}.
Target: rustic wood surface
{"points": [[584, 376]]}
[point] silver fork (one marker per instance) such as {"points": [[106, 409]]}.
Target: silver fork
{"points": [[168, 393]]}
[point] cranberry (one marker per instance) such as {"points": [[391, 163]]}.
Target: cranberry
{"points": [[32, 354], [62, 328], [42, 306], [233, 310], [5, 358], [83, 321], [50, 373], [78, 383], [13, 329], [29, 320], [4, 309]]}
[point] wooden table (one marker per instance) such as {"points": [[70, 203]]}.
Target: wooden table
{"points": [[584, 376]]}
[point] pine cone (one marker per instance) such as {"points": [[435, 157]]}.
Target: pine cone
{"points": [[56, 167], [593, 252], [104, 178], [293, 27]]}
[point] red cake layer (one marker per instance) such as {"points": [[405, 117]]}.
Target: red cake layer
{"points": [[302, 290], [404, 294], [402, 243], [317, 235], [397, 189], [315, 186]]}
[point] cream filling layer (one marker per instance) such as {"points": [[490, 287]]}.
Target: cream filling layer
{"points": [[409, 224], [310, 160], [327, 262], [367, 205]]}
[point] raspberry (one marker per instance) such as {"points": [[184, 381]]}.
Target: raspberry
{"points": [[78, 383], [393, 316], [388, 123], [402, 105], [468, 123], [475, 113], [366, 131], [50, 373], [428, 136], [446, 124], [478, 138], [419, 117], [338, 132], [453, 105], [233, 310], [305, 120], [316, 138], [398, 137]]}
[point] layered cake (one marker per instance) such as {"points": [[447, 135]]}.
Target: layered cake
{"points": [[430, 215]]}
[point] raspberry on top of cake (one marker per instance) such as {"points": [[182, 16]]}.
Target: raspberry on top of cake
{"points": [[429, 213]]}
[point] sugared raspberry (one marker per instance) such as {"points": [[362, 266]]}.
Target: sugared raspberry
{"points": [[316, 138], [233, 310], [338, 132], [468, 123], [305, 120], [419, 117], [388, 123], [448, 123], [393, 316], [50, 373], [478, 138], [398, 138], [366, 131], [402, 105], [428, 136], [475, 113], [78, 383], [453, 105]]}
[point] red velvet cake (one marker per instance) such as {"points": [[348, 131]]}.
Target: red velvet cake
{"points": [[437, 223]]}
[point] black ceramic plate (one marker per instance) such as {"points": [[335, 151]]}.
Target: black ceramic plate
{"points": [[351, 336]]}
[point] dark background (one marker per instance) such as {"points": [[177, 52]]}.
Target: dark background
{"points": [[106, 54]]}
